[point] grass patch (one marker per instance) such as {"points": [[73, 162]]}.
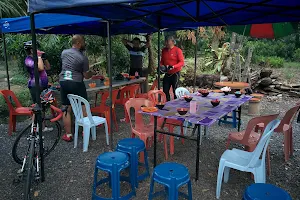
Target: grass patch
{"points": [[291, 65], [19, 79]]}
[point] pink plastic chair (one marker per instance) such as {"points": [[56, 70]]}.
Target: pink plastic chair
{"points": [[126, 93], [144, 131], [14, 110], [154, 96], [286, 128], [249, 138]]}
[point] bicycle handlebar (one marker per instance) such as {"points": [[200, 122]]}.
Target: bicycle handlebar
{"points": [[59, 111]]}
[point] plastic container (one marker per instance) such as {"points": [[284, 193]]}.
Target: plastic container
{"points": [[193, 107]]}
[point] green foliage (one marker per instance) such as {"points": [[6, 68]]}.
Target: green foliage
{"points": [[19, 79], [296, 55], [272, 61], [120, 55], [12, 8], [283, 48]]}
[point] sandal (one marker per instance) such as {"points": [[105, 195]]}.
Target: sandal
{"points": [[67, 137]]}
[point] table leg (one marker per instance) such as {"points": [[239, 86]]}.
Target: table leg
{"points": [[155, 129], [240, 118], [198, 152]]}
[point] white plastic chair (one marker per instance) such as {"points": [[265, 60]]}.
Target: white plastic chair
{"points": [[247, 161], [88, 123], [179, 92]]}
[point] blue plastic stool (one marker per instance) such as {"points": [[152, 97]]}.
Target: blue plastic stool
{"points": [[234, 120], [172, 176], [133, 146], [113, 163], [261, 191]]}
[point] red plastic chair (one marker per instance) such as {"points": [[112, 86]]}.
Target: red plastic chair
{"points": [[126, 93], [103, 109], [154, 96], [286, 128], [249, 138], [144, 131], [145, 95], [14, 110]]}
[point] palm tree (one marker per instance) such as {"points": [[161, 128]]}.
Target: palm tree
{"points": [[13, 8]]}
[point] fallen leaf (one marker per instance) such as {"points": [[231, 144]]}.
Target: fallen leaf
{"points": [[205, 190], [36, 193]]}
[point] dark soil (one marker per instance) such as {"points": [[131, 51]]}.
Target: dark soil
{"points": [[69, 171]]}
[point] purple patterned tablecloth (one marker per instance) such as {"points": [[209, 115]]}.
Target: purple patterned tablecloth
{"points": [[206, 114]]}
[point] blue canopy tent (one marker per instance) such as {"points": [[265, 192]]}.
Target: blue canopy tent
{"points": [[163, 14]]}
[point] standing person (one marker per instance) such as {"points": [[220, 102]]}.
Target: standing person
{"points": [[172, 60], [137, 53], [43, 65], [75, 67]]}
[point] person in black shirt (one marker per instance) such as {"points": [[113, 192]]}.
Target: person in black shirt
{"points": [[137, 53]]}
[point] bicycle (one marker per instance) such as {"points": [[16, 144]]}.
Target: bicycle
{"points": [[33, 162]]}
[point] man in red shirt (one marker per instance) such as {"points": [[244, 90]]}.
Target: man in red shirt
{"points": [[172, 59]]}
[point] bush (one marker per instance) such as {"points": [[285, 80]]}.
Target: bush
{"points": [[271, 61], [296, 55]]}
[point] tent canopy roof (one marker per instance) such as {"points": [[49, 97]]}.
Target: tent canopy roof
{"points": [[71, 24], [178, 13]]}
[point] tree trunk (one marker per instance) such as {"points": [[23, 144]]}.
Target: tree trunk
{"points": [[151, 66], [247, 66]]}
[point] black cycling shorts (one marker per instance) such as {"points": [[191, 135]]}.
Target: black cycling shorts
{"points": [[71, 87], [33, 92]]}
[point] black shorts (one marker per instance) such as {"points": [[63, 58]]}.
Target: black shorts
{"points": [[71, 87], [33, 91]]}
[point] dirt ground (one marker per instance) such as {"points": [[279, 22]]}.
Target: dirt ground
{"points": [[69, 171]]}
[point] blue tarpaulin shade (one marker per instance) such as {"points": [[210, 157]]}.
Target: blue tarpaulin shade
{"points": [[179, 13], [71, 24]]}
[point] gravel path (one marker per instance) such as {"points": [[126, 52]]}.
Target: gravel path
{"points": [[69, 171]]}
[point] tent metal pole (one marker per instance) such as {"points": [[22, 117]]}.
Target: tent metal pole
{"points": [[110, 82], [158, 60], [195, 67], [38, 114], [5, 60]]}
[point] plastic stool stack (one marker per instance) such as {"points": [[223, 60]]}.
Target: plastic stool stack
{"points": [[133, 147], [261, 191], [172, 176], [112, 163]]}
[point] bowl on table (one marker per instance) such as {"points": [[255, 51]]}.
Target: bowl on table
{"points": [[215, 102], [182, 111], [128, 78], [226, 90], [188, 98], [238, 94], [137, 77], [203, 92], [160, 106], [92, 85]]}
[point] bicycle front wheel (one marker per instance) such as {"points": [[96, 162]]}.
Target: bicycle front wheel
{"points": [[29, 173], [51, 135]]}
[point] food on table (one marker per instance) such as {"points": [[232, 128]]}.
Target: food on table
{"points": [[125, 75], [92, 85], [149, 109], [226, 89]]}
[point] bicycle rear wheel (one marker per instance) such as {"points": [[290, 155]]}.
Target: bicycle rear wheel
{"points": [[51, 138], [29, 173]]}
